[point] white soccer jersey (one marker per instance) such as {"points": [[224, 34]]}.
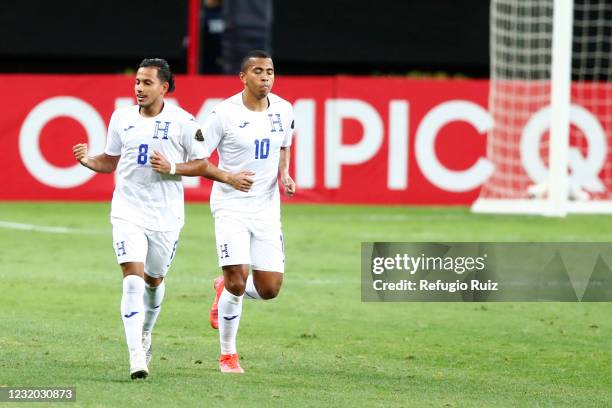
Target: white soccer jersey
{"points": [[248, 140], [143, 196]]}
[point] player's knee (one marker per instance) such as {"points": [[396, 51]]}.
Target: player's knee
{"points": [[153, 282], [270, 291], [235, 284]]}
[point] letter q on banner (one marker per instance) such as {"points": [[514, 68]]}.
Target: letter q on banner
{"points": [[29, 137], [585, 170]]}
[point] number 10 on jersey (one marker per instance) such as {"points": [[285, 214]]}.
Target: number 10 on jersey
{"points": [[262, 148]]}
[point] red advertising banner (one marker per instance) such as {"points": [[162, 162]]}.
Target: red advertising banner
{"points": [[358, 140]]}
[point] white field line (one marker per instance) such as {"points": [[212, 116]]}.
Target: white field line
{"points": [[358, 217], [44, 228], [382, 217]]}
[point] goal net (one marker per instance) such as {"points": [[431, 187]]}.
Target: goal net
{"points": [[521, 79]]}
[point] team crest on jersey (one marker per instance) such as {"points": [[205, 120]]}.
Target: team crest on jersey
{"points": [[199, 136], [161, 129], [276, 121]]}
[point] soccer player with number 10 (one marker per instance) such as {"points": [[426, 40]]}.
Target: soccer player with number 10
{"points": [[252, 131]]}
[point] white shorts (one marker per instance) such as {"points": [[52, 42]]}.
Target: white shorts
{"points": [[243, 241], [156, 249]]}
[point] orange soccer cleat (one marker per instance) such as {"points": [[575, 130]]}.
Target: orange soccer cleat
{"points": [[230, 363], [214, 309]]}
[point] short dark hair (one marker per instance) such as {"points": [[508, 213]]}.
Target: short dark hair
{"points": [[253, 54], [163, 70]]}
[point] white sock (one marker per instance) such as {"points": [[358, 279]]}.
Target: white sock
{"points": [[230, 308], [153, 298], [132, 311], [250, 291]]}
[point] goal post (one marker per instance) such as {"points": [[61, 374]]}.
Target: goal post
{"points": [[560, 100], [551, 102]]}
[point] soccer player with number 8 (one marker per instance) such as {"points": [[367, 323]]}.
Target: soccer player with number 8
{"points": [[151, 145]]}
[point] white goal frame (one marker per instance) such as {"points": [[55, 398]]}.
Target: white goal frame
{"points": [[556, 203]]}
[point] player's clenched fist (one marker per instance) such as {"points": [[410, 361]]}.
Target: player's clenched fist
{"points": [[80, 153]]}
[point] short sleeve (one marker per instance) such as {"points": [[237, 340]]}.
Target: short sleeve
{"points": [[213, 133], [113, 138], [289, 131], [193, 141]]}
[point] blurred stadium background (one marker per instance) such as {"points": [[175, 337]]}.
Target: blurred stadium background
{"points": [[407, 113]]}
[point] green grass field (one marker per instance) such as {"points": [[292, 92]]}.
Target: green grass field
{"points": [[317, 345]]}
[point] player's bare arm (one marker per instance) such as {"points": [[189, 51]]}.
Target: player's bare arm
{"points": [[203, 168], [102, 163], [283, 171]]}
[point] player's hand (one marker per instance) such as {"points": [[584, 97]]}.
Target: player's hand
{"points": [[159, 163], [288, 185], [80, 153], [241, 181]]}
